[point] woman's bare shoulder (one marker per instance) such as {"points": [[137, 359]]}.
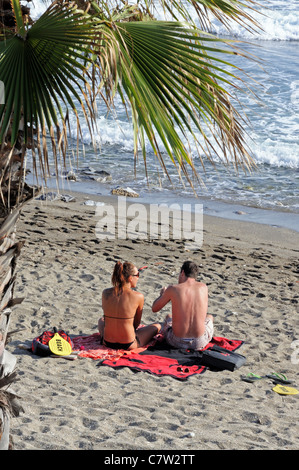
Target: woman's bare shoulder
{"points": [[137, 296], [107, 292]]}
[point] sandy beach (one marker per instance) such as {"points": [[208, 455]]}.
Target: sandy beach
{"points": [[252, 274]]}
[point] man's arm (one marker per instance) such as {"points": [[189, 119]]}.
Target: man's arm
{"points": [[162, 300]]}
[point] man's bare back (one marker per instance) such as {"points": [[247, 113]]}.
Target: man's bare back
{"points": [[189, 299]]}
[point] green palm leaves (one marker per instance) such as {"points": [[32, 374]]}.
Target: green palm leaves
{"points": [[171, 74], [42, 68], [175, 88]]}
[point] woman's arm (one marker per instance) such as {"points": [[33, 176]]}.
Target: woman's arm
{"points": [[138, 314]]}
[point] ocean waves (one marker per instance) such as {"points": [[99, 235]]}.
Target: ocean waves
{"points": [[277, 25], [280, 21], [274, 147]]}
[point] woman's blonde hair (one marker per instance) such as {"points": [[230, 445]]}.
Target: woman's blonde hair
{"points": [[121, 274]]}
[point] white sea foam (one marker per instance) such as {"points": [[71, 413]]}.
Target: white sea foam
{"points": [[37, 7], [280, 21], [295, 94], [278, 154], [109, 132], [276, 26]]}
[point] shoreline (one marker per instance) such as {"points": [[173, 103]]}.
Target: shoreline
{"points": [[237, 229], [252, 273], [223, 210]]}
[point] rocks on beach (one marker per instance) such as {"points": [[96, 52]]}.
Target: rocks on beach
{"points": [[100, 176], [128, 192], [52, 196]]}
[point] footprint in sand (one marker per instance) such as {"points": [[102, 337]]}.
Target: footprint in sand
{"points": [[87, 277]]}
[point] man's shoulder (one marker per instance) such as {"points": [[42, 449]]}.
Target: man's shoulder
{"points": [[172, 287], [202, 285], [172, 290], [195, 285]]}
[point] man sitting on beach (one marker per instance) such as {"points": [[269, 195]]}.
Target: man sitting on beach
{"points": [[190, 327]]}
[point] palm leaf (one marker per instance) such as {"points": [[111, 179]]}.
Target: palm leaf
{"points": [[176, 90], [18, 17], [171, 75], [43, 71], [225, 11]]}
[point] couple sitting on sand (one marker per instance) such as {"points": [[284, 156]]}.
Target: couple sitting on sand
{"points": [[189, 327]]}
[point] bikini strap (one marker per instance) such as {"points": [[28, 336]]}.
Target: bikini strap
{"points": [[119, 318]]}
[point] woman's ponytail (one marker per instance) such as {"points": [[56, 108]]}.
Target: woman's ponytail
{"points": [[121, 273]]}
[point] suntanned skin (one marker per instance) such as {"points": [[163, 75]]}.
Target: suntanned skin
{"points": [[189, 299], [126, 312]]}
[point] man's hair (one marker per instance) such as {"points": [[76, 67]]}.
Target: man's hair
{"points": [[190, 269]]}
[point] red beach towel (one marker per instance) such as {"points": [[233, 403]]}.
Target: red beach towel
{"points": [[90, 346], [156, 358], [159, 359]]}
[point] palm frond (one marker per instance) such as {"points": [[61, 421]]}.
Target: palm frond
{"points": [[225, 11], [175, 84], [174, 77], [43, 71]]}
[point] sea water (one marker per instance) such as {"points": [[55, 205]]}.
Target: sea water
{"points": [[270, 193]]}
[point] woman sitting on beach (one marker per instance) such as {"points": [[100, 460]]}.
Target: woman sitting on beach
{"points": [[122, 309]]}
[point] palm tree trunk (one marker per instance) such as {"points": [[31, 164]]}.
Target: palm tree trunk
{"points": [[14, 193], [9, 251]]}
